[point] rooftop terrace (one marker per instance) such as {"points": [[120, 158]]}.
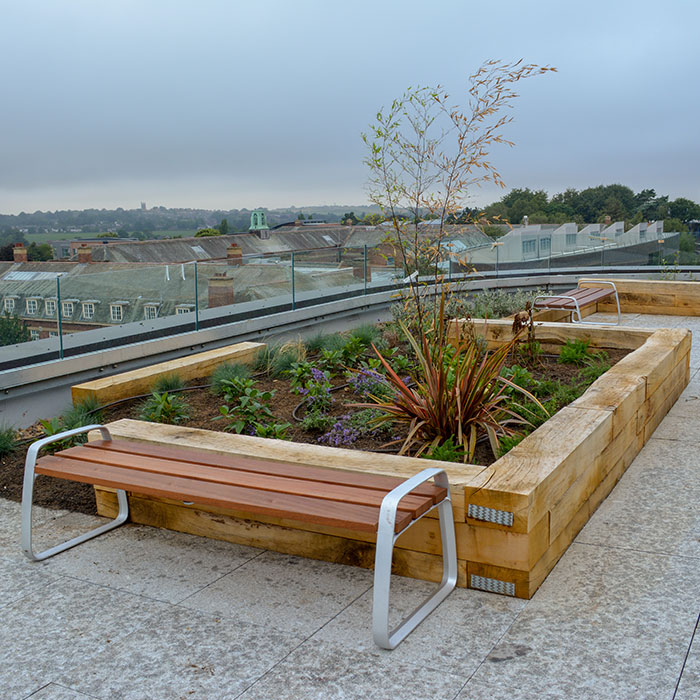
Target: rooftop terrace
{"points": [[145, 613]]}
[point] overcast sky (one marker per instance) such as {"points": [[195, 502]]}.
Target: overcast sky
{"points": [[230, 104]]}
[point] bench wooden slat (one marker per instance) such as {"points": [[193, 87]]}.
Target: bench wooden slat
{"points": [[308, 509], [584, 296], [263, 466], [416, 505]]}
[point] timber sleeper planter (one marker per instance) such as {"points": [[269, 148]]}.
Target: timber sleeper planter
{"points": [[513, 519]]}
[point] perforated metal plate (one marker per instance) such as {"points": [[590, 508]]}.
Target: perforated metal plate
{"points": [[492, 585], [490, 515]]}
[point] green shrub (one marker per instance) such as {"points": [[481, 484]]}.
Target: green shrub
{"points": [[164, 408], [251, 409], [446, 452], [369, 334], [317, 421], [81, 413], [8, 440], [324, 341], [227, 372], [574, 352], [508, 442], [274, 431], [167, 382]]}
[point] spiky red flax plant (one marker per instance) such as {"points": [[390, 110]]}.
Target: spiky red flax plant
{"points": [[457, 391]]}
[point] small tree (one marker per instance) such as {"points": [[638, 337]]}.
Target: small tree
{"points": [[12, 330], [426, 152], [223, 227]]}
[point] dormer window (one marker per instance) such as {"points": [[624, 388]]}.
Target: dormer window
{"points": [[9, 305], [150, 311], [88, 310], [116, 313], [184, 309], [32, 307], [50, 307], [67, 308]]}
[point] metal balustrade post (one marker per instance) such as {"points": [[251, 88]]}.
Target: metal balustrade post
{"points": [[365, 269], [294, 301], [59, 317], [196, 299]]}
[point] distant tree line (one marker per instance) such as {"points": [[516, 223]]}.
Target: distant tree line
{"points": [[594, 205]]}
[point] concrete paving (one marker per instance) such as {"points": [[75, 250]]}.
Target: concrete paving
{"points": [[145, 613]]}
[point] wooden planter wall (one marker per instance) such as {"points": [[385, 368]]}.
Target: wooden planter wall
{"points": [[640, 297], [139, 381], [514, 519]]}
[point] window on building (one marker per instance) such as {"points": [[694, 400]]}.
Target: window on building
{"points": [[642, 235], [182, 310], [67, 309], [53, 334], [116, 313], [32, 306], [88, 310], [150, 311], [529, 247], [9, 305], [571, 238], [50, 307], [34, 334], [545, 244]]}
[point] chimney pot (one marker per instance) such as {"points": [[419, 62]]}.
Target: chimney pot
{"points": [[84, 253], [19, 253], [220, 290]]}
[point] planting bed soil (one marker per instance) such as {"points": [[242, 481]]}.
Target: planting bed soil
{"points": [[204, 408]]}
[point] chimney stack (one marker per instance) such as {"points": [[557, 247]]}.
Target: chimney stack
{"points": [[234, 254], [220, 290], [84, 253], [19, 253]]}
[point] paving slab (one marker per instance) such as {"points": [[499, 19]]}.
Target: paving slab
{"points": [[654, 507], [181, 654], [161, 564], [58, 692], [19, 578], [10, 523], [319, 671], [605, 624], [59, 627], [455, 637], [284, 592], [689, 686]]}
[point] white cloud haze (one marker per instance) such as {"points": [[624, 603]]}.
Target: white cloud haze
{"points": [[226, 105]]}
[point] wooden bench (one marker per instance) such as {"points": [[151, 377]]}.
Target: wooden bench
{"points": [[375, 503], [580, 297]]}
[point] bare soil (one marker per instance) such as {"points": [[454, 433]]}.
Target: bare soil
{"points": [[203, 409]]}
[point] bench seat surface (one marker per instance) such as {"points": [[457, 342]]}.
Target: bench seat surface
{"points": [[296, 491], [584, 296]]}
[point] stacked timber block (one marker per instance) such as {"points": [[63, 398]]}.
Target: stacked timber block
{"points": [[514, 519], [139, 381]]}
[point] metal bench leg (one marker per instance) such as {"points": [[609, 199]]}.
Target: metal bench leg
{"points": [[386, 538], [28, 493]]}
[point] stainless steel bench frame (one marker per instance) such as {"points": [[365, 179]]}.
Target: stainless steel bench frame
{"points": [[386, 539], [576, 311]]}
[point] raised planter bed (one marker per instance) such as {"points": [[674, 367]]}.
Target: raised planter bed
{"points": [[514, 518]]}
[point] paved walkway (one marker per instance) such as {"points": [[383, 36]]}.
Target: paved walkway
{"points": [[144, 613]]}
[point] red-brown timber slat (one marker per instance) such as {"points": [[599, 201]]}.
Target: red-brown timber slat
{"points": [[305, 508], [263, 466], [584, 296], [416, 505]]}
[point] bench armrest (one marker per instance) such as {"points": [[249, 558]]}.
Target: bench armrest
{"points": [[37, 445], [390, 503]]}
